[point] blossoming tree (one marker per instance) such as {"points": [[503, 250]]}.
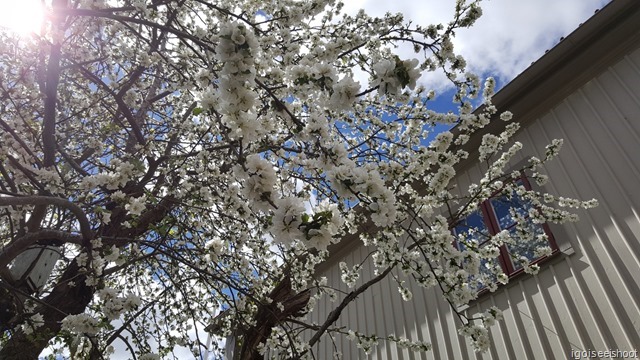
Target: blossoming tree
{"points": [[186, 157]]}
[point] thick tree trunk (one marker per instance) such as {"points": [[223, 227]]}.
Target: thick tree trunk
{"points": [[269, 316], [62, 301]]}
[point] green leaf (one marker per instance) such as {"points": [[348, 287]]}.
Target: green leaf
{"points": [[305, 218]]}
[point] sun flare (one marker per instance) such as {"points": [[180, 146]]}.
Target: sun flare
{"points": [[21, 16]]}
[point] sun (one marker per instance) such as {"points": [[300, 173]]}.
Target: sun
{"points": [[21, 16]]}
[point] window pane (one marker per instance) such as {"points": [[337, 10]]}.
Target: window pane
{"points": [[501, 206], [522, 247], [475, 233], [526, 246], [473, 228]]}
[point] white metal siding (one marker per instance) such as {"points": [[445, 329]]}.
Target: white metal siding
{"points": [[587, 300]]}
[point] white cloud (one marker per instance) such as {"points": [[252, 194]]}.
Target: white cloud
{"points": [[512, 34], [506, 39]]}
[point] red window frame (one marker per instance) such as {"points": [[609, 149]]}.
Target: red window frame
{"points": [[491, 222]]}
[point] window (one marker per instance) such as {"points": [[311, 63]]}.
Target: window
{"points": [[500, 213]]}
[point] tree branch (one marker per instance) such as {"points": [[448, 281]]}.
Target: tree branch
{"points": [[17, 246], [335, 314], [51, 96], [85, 226]]}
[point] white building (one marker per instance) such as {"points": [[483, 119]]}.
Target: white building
{"points": [[586, 90]]}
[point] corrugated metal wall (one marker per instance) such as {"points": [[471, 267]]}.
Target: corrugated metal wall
{"points": [[589, 300]]}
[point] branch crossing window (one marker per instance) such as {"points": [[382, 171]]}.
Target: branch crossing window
{"points": [[530, 242]]}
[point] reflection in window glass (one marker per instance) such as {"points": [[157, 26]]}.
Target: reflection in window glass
{"points": [[501, 213], [473, 228], [475, 233], [526, 247]]}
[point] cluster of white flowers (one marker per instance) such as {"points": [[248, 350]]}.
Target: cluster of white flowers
{"points": [[216, 247], [405, 343], [405, 292], [344, 94], [287, 220], [81, 324], [442, 141], [506, 116], [492, 143], [32, 324], [552, 150], [478, 334], [279, 339], [122, 173], [392, 75], [489, 89], [354, 182], [364, 342], [542, 251], [491, 315], [140, 5], [136, 205], [540, 179], [326, 226], [260, 180], [528, 267], [349, 276], [440, 180], [114, 305], [236, 50], [49, 177]]}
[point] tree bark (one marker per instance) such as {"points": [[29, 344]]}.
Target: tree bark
{"points": [[63, 300], [269, 316]]}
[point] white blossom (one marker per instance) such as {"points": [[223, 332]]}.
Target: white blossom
{"points": [[136, 205], [81, 324]]}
